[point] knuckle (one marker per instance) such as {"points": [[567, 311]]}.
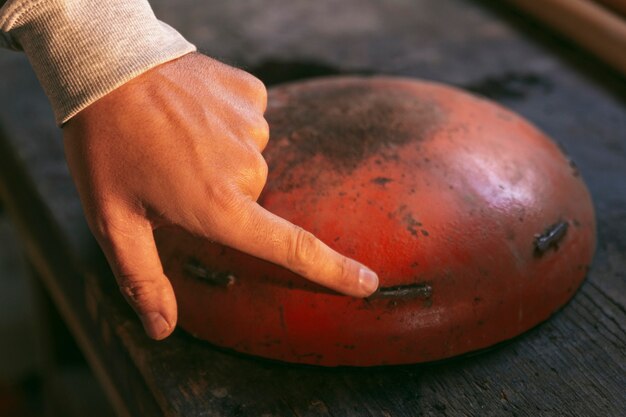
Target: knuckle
{"points": [[257, 132], [345, 274], [261, 129], [262, 96], [260, 169], [302, 251], [257, 89], [257, 86], [105, 228], [110, 219], [223, 196], [253, 175], [102, 228], [140, 293]]}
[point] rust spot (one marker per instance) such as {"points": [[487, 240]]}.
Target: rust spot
{"points": [[349, 120], [411, 224], [418, 290], [218, 278], [381, 180], [550, 237]]}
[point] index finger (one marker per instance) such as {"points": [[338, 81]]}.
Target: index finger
{"points": [[265, 235]]}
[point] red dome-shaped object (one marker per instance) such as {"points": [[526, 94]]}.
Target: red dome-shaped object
{"points": [[477, 224]]}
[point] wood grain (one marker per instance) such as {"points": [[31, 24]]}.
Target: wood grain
{"points": [[617, 6], [572, 365], [585, 22]]}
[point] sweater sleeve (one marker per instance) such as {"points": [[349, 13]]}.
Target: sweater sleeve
{"points": [[81, 50]]}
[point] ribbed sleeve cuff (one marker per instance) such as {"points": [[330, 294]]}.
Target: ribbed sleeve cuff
{"points": [[83, 49]]}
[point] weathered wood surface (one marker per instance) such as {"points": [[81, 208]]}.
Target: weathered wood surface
{"points": [[573, 365]]}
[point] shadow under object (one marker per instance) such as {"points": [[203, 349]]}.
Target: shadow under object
{"points": [[477, 224]]}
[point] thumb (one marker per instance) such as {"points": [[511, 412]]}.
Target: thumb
{"points": [[131, 251]]}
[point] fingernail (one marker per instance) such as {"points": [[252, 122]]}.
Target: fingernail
{"points": [[155, 325], [368, 280]]}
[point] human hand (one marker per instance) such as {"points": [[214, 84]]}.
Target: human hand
{"points": [[181, 144]]}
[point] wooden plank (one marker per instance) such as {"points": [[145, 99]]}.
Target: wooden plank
{"points": [[572, 365], [591, 25], [617, 6], [69, 388]]}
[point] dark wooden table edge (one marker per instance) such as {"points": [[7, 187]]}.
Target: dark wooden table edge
{"points": [[49, 254]]}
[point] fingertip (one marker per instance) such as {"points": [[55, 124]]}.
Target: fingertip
{"points": [[277, 240], [368, 281], [156, 326]]}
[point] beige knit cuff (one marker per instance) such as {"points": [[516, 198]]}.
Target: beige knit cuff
{"points": [[83, 49]]}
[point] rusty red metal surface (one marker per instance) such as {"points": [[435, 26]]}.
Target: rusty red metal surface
{"points": [[478, 225]]}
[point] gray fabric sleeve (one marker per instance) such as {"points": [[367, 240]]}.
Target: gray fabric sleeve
{"points": [[83, 49]]}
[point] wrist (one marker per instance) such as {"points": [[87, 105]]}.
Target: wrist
{"points": [[83, 49]]}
